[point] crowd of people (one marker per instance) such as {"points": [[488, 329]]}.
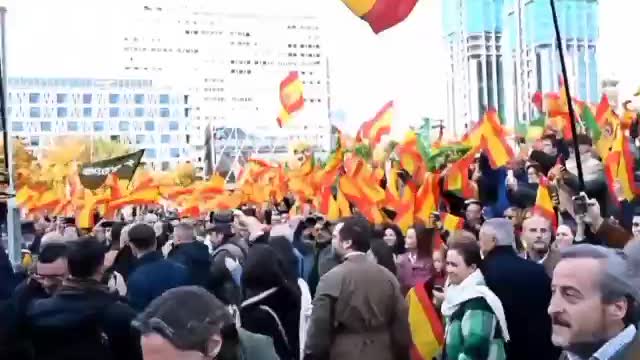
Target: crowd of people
{"points": [[255, 283]]}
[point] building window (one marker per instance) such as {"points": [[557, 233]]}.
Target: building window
{"points": [[174, 152], [87, 112], [114, 112], [45, 126], [165, 139], [138, 99], [61, 112], [114, 98], [17, 126], [164, 99], [123, 126], [34, 112], [86, 99], [150, 153], [72, 126], [98, 126], [164, 112], [173, 125], [139, 139], [149, 125], [139, 112], [34, 98], [61, 98], [165, 165], [35, 141]]}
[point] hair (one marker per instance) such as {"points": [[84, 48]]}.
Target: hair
{"points": [[503, 231], [424, 240], [399, 248], [383, 254], [184, 228], [535, 167], [52, 252], [619, 278], [286, 252], [116, 230], [85, 257], [358, 230], [550, 137], [469, 251], [461, 236], [536, 216], [142, 236], [53, 237]]}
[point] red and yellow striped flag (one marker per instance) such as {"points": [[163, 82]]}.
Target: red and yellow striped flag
{"points": [[619, 167], [291, 98], [405, 212], [544, 205], [374, 129], [427, 331], [451, 223], [381, 14]]}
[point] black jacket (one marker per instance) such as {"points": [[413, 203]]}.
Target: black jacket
{"points": [[7, 276], [221, 282], [524, 288], [195, 257], [82, 322]]}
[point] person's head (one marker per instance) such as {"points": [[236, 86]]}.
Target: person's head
{"points": [[53, 237], [564, 236], [438, 260], [584, 145], [158, 228], [285, 250], [463, 258], [382, 254], [533, 173], [114, 235], [221, 233], [100, 233], [263, 269], [512, 214], [594, 296], [536, 233], [473, 211], [124, 235], [461, 235], [393, 237], [548, 145], [496, 232], [70, 233], [186, 323], [635, 227], [142, 239], [351, 234], [86, 258], [184, 233], [52, 267], [420, 240]]}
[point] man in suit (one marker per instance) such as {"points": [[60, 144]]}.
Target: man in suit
{"points": [[524, 289], [358, 310]]}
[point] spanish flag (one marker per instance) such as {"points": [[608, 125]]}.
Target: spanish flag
{"points": [[405, 212], [427, 331], [374, 129], [619, 167], [544, 205], [451, 223], [291, 98], [381, 14], [492, 141]]}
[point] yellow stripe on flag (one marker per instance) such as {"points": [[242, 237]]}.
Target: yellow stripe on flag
{"points": [[360, 7]]}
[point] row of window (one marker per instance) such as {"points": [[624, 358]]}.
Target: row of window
{"points": [[303, 46], [241, 71], [304, 55], [72, 125], [157, 49], [62, 112], [34, 98]]}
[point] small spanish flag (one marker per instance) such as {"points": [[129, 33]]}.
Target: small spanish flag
{"points": [[374, 129], [381, 14], [544, 205], [291, 97], [427, 330], [451, 223]]}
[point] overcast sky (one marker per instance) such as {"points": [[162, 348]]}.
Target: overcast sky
{"points": [[404, 64]]}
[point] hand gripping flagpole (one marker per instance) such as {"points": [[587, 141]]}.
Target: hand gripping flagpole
{"points": [[572, 112]]}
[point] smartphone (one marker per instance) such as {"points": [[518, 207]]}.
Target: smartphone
{"points": [[580, 204], [107, 223], [436, 216]]}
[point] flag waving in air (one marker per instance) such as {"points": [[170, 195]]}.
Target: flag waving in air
{"points": [[291, 98], [374, 129], [381, 14]]}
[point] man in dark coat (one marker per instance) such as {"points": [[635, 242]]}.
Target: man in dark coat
{"points": [[193, 254], [83, 320], [523, 287], [226, 264], [153, 274]]}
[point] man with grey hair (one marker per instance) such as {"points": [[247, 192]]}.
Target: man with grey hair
{"points": [[594, 306], [523, 287]]}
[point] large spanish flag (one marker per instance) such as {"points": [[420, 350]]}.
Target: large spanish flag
{"points": [[291, 97], [374, 129], [381, 14], [427, 331]]}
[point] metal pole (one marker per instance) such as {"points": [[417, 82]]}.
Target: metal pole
{"points": [[572, 113]]}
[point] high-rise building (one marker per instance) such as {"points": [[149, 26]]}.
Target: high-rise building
{"points": [[531, 54], [232, 64], [132, 112], [473, 33]]}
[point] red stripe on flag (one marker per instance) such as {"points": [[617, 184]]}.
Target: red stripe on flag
{"points": [[427, 306]]}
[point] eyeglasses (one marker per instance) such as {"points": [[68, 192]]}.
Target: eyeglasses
{"points": [[51, 277]]}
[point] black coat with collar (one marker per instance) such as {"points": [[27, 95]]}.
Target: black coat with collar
{"points": [[524, 288]]}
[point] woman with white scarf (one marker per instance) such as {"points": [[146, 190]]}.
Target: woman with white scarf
{"points": [[476, 328]]}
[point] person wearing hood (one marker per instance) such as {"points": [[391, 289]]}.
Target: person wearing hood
{"points": [[193, 254], [83, 320]]}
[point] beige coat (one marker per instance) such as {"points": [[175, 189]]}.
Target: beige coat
{"points": [[358, 313]]}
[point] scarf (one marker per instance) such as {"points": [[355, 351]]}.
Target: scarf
{"points": [[473, 287], [77, 285]]}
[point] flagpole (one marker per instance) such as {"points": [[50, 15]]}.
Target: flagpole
{"points": [[572, 113]]}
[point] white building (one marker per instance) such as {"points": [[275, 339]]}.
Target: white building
{"points": [[133, 112], [232, 64]]}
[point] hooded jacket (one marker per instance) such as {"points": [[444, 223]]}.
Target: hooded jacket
{"points": [[195, 257]]}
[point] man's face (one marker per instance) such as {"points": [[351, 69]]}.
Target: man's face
{"points": [[510, 214], [474, 212], [155, 347], [536, 232], [336, 241], [532, 176], [51, 275], [578, 316], [486, 240], [547, 147], [635, 227]]}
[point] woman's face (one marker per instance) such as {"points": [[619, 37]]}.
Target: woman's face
{"points": [[457, 270], [411, 242], [390, 237], [437, 260], [564, 237]]}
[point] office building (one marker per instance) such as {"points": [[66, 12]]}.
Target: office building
{"points": [[133, 112], [232, 64], [531, 49], [472, 32]]}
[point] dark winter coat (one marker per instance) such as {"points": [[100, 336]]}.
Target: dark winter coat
{"points": [[195, 257]]}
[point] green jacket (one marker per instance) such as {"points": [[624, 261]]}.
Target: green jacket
{"points": [[256, 347], [473, 333]]}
